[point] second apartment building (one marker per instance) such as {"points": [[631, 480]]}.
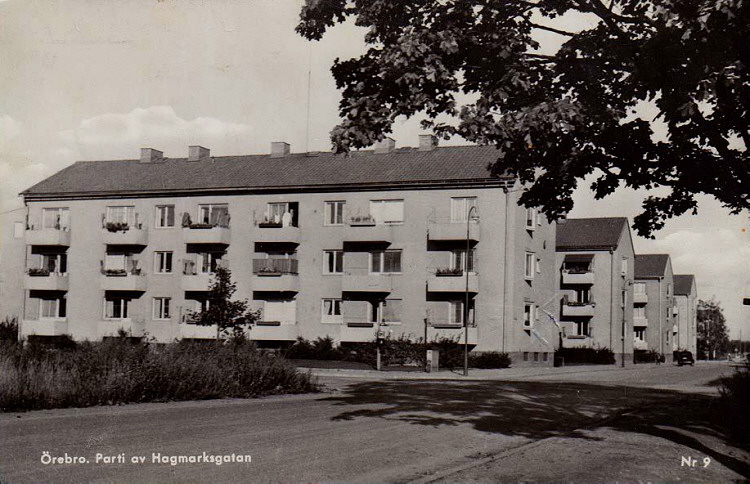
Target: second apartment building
{"points": [[321, 244]]}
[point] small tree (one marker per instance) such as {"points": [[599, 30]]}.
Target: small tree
{"points": [[232, 318], [712, 329]]}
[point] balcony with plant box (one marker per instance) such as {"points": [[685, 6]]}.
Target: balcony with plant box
{"points": [[42, 279], [365, 229], [119, 232], [275, 275], [125, 277], [452, 279]]}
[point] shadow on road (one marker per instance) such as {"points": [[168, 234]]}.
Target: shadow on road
{"points": [[538, 410]]}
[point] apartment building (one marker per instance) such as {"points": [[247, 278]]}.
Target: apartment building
{"points": [[594, 271], [654, 311], [322, 244], [686, 302]]}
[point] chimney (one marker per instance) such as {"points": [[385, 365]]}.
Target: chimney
{"points": [[427, 142], [150, 155], [198, 153], [279, 149], [387, 145]]}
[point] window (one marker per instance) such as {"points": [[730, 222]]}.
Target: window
{"points": [[669, 290], [545, 356], [385, 261], [121, 214], [373, 311], [582, 328], [53, 263], [583, 295], [624, 267], [216, 215], [164, 216], [529, 263], [52, 307], [639, 312], [459, 262], [116, 307], [639, 288], [333, 261], [460, 207], [529, 314], [525, 356], [387, 211], [531, 218], [332, 311], [161, 308], [640, 334], [334, 213], [162, 262], [283, 214], [209, 261], [56, 218], [536, 356]]}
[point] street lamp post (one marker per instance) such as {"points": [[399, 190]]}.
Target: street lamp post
{"points": [[466, 301]]}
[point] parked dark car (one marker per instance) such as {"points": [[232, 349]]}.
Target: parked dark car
{"points": [[683, 358]]}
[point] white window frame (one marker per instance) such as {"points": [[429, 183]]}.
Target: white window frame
{"points": [[335, 303], [160, 261], [624, 266], [458, 260], [161, 218], [124, 303], [161, 309], [460, 207], [642, 331], [57, 308], [531, 218], [58, 262], [529, 269], [377, 207], [212, 260], [334, 213], [381, 268], [583, 328], [60, 215], [338, 255], [529, 315], [452, 312], [209, 208]]}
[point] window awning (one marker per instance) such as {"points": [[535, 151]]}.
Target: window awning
{"points": [[579, 257]]}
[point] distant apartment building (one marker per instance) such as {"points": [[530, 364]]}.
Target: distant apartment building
{"points": [[654, 311], [322, 244], [686, 302], [594, 270]]}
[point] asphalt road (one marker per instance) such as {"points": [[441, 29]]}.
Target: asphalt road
{"points": [[631, 425]]}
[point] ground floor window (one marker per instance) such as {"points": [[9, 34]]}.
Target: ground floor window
{"points": [[116, 307], [52, 308], [582, 328], [161, 307]]}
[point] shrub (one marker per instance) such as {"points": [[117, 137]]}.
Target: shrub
{"points": [[117, 370], [646, 356], [589, 356], [320, 349], [735, 400], [489, 359], [9, 329]]}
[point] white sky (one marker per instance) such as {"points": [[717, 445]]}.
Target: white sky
{"points": [[83, 79]]}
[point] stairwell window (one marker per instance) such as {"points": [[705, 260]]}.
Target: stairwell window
{"points": [[333, 262], [531, 218], [387, 211], [529, 315], [164, 216], [161, 308], [529, 265], [385, 262], [163, 262], [334, 213]]}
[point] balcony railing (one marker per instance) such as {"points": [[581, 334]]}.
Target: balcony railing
{"points": [[44, 280], [452, 281], [445, 229], [54, 236], [124, 233], [640, 298], [277, 231], [274, 267], [577, 276], [576, 308]]}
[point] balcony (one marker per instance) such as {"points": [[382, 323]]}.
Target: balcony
{"points": [[56, 237], [358, 332], [573, 309], [197, 282], [273, 331], [577, 277], [640, 298], [438, 330], [206, 234], [44, 327], [122, 233], [441, 231], [135, 328], [195, 331], [450, 281], [275, 275], [640, 321], [639, 344], [37, 280], [268, 232], [381, 283], [115, 280], [363, 229]]}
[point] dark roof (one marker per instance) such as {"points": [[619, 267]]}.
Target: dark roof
{"points": [[650, 265], [683, 284], [402, 166], [590, 233]]}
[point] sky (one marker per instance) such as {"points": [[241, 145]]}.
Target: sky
{"points": [[87, 80]]}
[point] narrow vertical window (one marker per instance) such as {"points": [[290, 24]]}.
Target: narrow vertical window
{"points": [[334, 213], [164, 216], [161, 308]]}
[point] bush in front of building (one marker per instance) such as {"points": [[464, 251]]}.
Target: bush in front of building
{"points": [[646, 356], [119, 370], [9, 329], [320, 349], [581, 355], [489, 360]]}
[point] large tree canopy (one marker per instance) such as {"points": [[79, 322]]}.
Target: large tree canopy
{"points": [[559, 117]]}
